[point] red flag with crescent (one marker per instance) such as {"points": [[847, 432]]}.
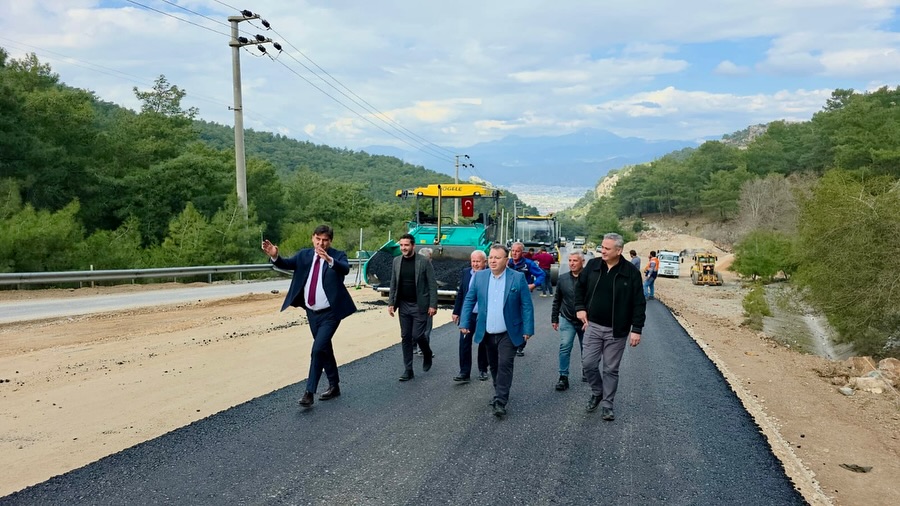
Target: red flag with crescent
{"points": [[468, 207]]}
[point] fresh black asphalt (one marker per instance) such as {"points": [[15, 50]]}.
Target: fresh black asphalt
{"points": [[680, 437]]}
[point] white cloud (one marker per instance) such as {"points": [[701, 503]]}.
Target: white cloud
{"points": [[702, 114], [473, 71], [729, 68]]}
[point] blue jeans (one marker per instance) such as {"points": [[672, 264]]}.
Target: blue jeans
{"points": [[648, 286], [547, 286], [567, 331]]}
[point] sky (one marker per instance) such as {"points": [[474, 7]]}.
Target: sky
{"points": [[441, 76]]}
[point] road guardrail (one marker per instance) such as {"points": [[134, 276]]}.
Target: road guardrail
{"points": [[37, 278]]}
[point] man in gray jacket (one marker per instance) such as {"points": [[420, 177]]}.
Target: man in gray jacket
{"points": [[568, 326], [414, 296]]}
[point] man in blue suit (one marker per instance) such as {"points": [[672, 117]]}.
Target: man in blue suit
{"points": [[477, 261], [504, 322], [318, 286]]}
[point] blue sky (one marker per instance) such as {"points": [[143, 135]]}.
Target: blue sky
{"points": [[458, 73]]}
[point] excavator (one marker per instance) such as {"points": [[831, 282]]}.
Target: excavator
{"points": [[453, 243]]}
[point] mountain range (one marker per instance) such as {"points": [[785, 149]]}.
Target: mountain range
{"points": [[576, 159]]}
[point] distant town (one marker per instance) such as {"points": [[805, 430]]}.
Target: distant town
{"points": [[550, 199]]}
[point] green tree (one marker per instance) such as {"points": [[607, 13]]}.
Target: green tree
{"points": [[723, 191], [848, 221], [165, 99], [112, 249], [40, 240], [763, 254]]}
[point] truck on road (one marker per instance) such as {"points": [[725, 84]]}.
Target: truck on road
{"points": [[669, 263]]}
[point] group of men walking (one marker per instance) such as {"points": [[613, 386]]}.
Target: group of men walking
{"points": [[601, 302]]}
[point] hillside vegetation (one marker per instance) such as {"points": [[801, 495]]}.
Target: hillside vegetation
{"points": [[817, 202], [87, 183]]}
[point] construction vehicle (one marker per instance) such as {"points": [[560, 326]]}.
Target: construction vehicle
{"points": [[540, 232], [703, 272], [452, 243]]}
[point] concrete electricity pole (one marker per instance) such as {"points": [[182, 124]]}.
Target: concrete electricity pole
{"points": [[236, 43]]}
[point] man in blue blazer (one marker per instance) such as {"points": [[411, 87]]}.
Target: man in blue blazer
{"points": [[477, 262], [318, 286], [504, 322]]}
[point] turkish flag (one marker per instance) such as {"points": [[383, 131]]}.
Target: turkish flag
{"points": [[468, 207]]}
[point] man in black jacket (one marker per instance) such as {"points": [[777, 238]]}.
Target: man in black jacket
{"points": [[609, 301], [414, 297]]}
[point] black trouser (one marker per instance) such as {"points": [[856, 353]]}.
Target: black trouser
{"points": [[413, 324], [501, 354], [465, 351], [323, 325]]}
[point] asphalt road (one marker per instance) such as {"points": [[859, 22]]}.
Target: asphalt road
{"points": [[680, 437]]}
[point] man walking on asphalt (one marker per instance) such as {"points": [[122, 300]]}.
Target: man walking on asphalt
{"points": [[478, 261], [545, 261], [414, 296], [534, 275], [318, 285], [609, 301], [504, 321], [569, 325]]}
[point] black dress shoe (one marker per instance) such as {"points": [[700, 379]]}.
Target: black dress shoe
{"points": [[461, 378], [499, 409], [307, 399], [426, 362], [331, 393], [483, 376], [607, 414], [593, 403], [408, 375], [563, 383]]}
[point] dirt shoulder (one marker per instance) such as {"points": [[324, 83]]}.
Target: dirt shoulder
{"points": [[131, 376]]}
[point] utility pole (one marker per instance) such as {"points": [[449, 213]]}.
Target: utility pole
{"points": [[456, 180], [236, 43]]}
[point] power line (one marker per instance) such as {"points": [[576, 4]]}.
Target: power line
{"points": [[372, 109], [353, 111], [176, 17], [426, 146], [226, 5], [217, 21]]}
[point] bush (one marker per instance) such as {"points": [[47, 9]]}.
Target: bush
{"points": [[756, 307]]}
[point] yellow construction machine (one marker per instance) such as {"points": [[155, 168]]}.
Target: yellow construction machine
{"points": [[703, 272]]}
